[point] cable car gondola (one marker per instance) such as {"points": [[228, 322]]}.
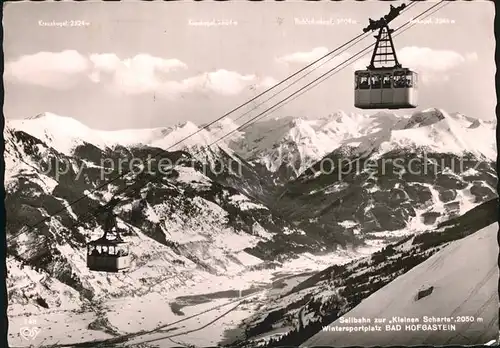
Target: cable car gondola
{"points": [[110, 253], [383, 86]]}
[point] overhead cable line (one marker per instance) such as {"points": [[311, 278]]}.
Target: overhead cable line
{"points": [[196, 132], [246, 124]]}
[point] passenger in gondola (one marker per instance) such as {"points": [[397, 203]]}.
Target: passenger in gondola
{"points": [[408, 83], [376, 83], [105, 250], [386, 82], [95, 252], [364, 83]]}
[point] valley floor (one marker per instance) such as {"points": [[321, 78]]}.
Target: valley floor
{"points": [[202, 313]]}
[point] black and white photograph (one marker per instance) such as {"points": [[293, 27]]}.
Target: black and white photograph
{"points": [[250, 174]]}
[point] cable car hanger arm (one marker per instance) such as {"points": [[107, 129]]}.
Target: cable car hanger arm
{"points": [[384, 21], [384, 47]]}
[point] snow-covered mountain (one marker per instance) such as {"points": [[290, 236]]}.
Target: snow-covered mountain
{"points": [[383, 175], [426, 169], [437, 131], [72, 138], [288, 146], [65, 134], [387, 283]]}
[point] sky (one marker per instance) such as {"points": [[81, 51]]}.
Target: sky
{"points": [[152, 64]]}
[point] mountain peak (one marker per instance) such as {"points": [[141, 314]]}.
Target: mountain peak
{"points": [[298, 121], [47, 114], [181, 124], [42, 115], [223, 127], [425, 118], [63, 133], [181, 129], [49, 117], [336, 116]]}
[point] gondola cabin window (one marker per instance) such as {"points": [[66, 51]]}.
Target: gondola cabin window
{"points": [[376, 81], [387, 81], [122, 250], [405, 79], [362, 81], [112, 250], [399, 79], [409, 81]]}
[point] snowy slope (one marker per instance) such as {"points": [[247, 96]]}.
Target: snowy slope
{"points": [[432, 130], [297, 315], [464, 277], [186, 230], [406, 174]]}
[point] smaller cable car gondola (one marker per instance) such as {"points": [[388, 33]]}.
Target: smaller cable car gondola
{"points": [[387, 85], [110, 253]]}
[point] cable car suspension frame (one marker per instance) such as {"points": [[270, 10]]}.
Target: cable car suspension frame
{"points": [[385, 84], [384, 47]]}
